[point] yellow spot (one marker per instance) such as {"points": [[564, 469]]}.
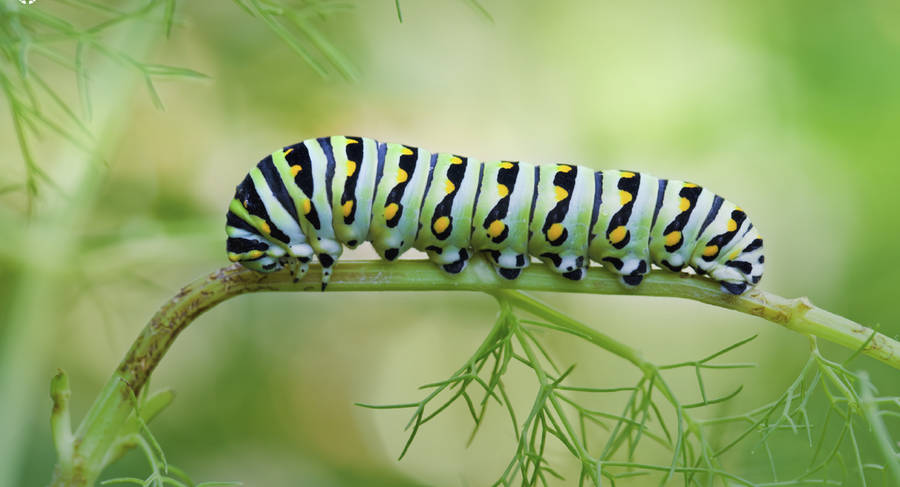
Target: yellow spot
{"points": [[732, 225], [441, 224], [391, 210], [244, 203], [496, 228], [564, 168], [684, 204], [233, 257], [618, 234], [506, 165], [624, 197], [734, 254], [351, 141], [710, 250], [295, 170], [347, 208], [449, 187], [351, 168], [402, 176], [555, 231], [265, 228], [288, 151], [455, 160], [406, 151], [307, 206], [502, 190], [255, 254], [738, 208], [672, 238], [561, 193], [626, 174], [690, 185]]}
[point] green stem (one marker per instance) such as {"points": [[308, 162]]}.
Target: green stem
{"points": [[104, 421]]}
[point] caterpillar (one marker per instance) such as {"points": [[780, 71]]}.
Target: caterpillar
{"points": [[312, 198]]}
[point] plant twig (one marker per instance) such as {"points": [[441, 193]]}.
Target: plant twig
{"points": [[103, 423]]}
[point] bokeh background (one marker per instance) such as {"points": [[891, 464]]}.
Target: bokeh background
{"points": [[790, 108]]}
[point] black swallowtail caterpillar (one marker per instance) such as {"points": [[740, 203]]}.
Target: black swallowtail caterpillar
{"points": [[313, 197]]}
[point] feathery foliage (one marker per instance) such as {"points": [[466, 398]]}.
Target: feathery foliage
{"points": [[33, 36]]}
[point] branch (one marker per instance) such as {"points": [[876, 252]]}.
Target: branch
{"points": [[102, 425]]}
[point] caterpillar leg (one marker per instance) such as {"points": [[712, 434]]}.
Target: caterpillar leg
{"points": [[508, 263], [296, 266], [327, 261], [263, 264], [735, 288], [457, 266], [631, 270], [570, 266], [451, 259]]}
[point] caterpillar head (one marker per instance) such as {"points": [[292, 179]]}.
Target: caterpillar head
{"points": [[256, 258]]}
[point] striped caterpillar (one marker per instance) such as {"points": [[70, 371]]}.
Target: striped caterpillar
{"points": [[313, 197]]}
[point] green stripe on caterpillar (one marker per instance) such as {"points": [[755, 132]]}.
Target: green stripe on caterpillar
{"points": [[311, 199]]}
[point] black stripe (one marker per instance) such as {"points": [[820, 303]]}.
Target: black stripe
{"points": [[755, 244], [325, 143], [235, 221], [431, 164], [534, 196], [660, 194], [621, 218], [723, 239], [740, 265], [692, 194], [246, 193], [558, 213], [237, 245], [713, 211], [382, 153], [354, 152], [455, 174], [276, 185], [300, 157], [477, 195], [509, 178], [598, 199], [409, 164]]}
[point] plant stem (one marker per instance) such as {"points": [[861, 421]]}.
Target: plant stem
{"points": [[102, 425]]}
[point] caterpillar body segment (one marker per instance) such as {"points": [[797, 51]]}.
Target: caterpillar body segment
{"points": [[308, 200], [561, 220], [503, 211], [400, 187], [445, 216], [622, 227], [352, 187]]}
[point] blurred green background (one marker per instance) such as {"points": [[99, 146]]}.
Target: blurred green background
{"points": [[791, 109]]}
